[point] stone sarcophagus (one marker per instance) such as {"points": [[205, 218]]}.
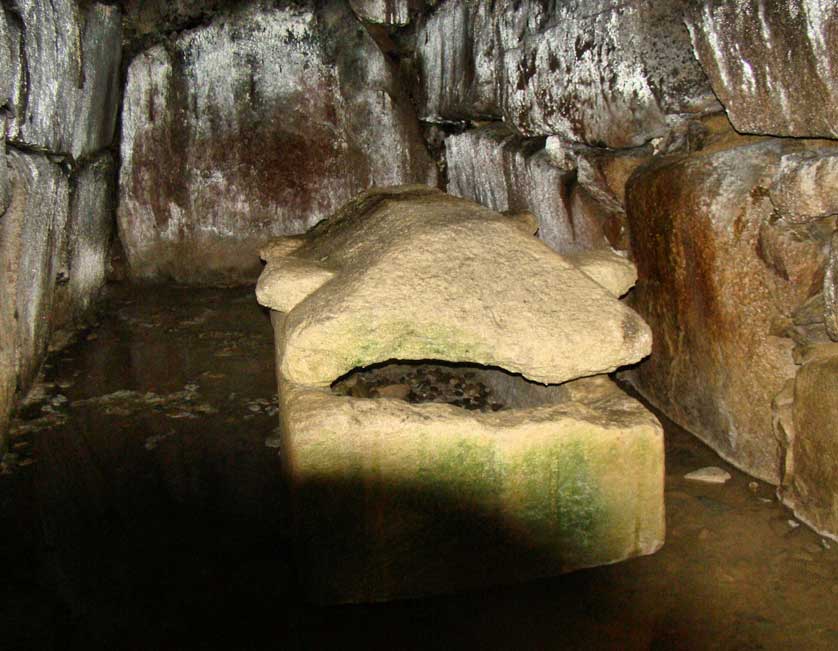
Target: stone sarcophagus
{"points": [[404, 494]]}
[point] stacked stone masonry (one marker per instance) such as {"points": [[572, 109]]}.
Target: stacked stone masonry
{"points": [[59, 77], [246, 120]]}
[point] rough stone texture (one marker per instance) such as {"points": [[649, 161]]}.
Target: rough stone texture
{"points": [[493, 166], [608, 268], [89, 230], [795, 253], [604, 174], [5, 186], [147, 19], [394, 499], [413, 273], [806, 187], [557, 53], [386, 12], [773, 65], [65, 95], [251, 127], [542, 66], [813, 490], [6, 64], [830, 290], [782, 411], [32, 239], [712, 293], [456, 60], [587, 210]]}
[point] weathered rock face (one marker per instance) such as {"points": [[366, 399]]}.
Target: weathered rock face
{"points": [[830, 290], [32, 238], [254, 126], [717, 270], [804, 189], [59, 77], [773, 65], [413, 273], [813, 487], [556, 55], [495, 167], [456, 61], [66, 59], [89, 231], [6, 66], [541, 65], [386, 12], [147, 18]]}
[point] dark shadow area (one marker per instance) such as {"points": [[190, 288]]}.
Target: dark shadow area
{"points": [[146, 512]]}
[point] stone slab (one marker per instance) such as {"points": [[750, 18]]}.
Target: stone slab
{"points": [[412, 273], [773, 65], [812, 491], [497, 168], [32, 243], [805, 186], [539, 65], [90, 227], [65, 93]]}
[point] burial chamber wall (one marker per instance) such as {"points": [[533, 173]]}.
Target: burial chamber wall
{"points": [[696, 136]]}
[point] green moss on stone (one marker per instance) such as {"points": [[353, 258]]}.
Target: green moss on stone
{"points": [[562, 494], [464, 475]]}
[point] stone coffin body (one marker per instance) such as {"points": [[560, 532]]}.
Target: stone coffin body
{"points": [[392, 499]]}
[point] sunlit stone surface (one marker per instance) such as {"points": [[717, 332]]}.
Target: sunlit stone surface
{"points": [[413, 273]]}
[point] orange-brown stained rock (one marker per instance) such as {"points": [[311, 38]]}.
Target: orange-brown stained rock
{"points": [[711, 296]]}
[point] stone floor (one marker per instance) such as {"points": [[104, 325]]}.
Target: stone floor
{"points": [[141, 509]]}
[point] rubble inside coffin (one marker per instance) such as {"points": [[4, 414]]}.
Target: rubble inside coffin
{"points": [[416, 383]]}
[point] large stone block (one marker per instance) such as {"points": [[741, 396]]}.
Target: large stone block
{"points": [[716, 273], [89, 230], [7, 69], [65, 93], [773, 65], [32, 241], [413, 273], [813, 489], [456, 61], [392, 499], [497, 168], [259, 124], [601, 73], [804, 189]]}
